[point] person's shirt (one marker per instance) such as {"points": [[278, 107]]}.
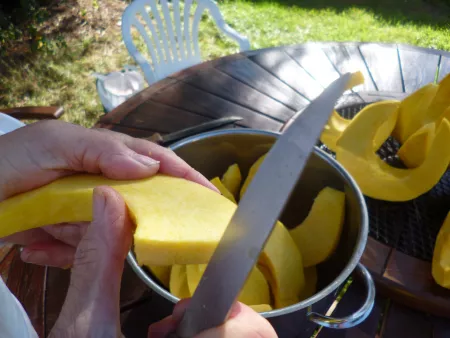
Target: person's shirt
{"points": [[14, 321]]}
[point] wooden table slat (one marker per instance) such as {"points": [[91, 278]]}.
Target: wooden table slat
{"points": [[352, 300], [444, 68], [400, 321], [384, 67], [418, 68], [181, 96], [27, 283], [315, 62], [57, 284], [441, 327], [347, 58], [220, 84], [5, 264], [290, 72], [257, 77]]}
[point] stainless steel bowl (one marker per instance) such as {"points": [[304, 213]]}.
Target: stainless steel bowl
{"points": [[211, 153]]}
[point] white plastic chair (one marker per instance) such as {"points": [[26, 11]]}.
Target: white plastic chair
{"points": [[8, 124], [179, 48]]}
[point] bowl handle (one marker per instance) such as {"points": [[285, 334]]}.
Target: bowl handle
{"points": [[358, 316]]}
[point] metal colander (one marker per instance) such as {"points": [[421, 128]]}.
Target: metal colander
{"points": [[410, 227]]}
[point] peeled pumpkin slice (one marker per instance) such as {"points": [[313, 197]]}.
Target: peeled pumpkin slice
{"points": [[251, 173], [255, 291], [441, 256], [178, 282], [162, 273], [223, 190], [310, 282], [261, 308], [318, 235], [415, 149], [232, 179], [412, 110], [177, 221], [282, 266], [378, 179]]}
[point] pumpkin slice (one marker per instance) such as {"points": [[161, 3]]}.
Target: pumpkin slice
{"points": [[441, 255], [415, 149], [261, 308], [251, 173], [162, 273], [318, 236], [255, 290], [378, 179], [412, 110], [178, 282], [223, 190], [177, 221], [232, 179], [281, 263], [310, 283]]}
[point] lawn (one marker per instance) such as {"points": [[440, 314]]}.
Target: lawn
{"points": [[60, 74]]}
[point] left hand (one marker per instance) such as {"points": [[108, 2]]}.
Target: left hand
{"points": [[40, 153]]}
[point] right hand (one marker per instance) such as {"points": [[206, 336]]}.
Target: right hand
{"points": [[243, 322]]}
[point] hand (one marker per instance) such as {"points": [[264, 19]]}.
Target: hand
{"points": [[40, 153], [243, 322]]}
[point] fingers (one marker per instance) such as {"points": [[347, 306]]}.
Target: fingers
{"points": [[54, 253], [169, 324], [68, 233], [91, 307], [27, 237]]}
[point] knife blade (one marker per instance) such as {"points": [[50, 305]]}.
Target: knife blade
{"points": [[257, 212], [180, 134]]}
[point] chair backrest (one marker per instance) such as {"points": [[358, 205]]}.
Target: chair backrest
{"points": [[8, 124], [176, 47]]}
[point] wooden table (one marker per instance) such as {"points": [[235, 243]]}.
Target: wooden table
{"points": [[265, 87]]}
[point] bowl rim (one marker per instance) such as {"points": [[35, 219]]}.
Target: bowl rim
{"points": [[324, 292]]}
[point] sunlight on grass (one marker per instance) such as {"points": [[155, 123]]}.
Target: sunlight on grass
{"points": [[65, 78]]}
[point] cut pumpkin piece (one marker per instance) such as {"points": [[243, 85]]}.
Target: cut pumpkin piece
{"points": [[441, 255], [178, 282], [261, 308], [318, 235], [281, 263], [412, 112], [251, 173], [310, 283], [255, 291], [222, 189], [415, 149], [232, 179], [378, 179], [177, 221], [162, 273]]}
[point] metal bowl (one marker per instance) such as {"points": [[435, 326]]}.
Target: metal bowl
{"points": [[211, 153]]}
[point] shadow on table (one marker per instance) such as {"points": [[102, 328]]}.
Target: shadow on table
{"points": [[421, 12]]}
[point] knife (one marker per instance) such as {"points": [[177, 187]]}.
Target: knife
{"points": [[257, 212], [178, 135]]}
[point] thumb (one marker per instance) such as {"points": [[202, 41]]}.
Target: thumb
{"points": [[92, 302]]}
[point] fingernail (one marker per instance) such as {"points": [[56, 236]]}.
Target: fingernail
{"points": [[145, 160], [35, 257], [21, 249]]}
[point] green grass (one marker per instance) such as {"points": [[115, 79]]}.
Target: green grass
{"points": [[63, 78]]}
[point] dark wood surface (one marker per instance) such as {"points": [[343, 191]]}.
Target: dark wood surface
{"points": [[267, 87]]}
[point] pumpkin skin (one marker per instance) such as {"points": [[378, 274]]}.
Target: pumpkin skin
{"points": [[440, 266], [376, 178], [319, 234]]}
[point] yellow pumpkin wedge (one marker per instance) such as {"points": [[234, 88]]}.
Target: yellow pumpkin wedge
{"points": [[318, 235], [251, 173], [261, 308], [441, 256], [415, 149], [412, 110], [178, 281], [282, 266], [177, 221], [232, 179], [310, 282], [378, 179], [162, 273], [223, 190], [255, 290]]}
